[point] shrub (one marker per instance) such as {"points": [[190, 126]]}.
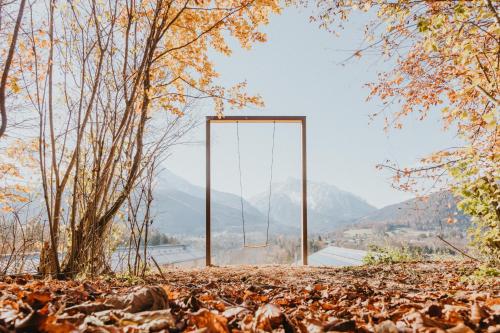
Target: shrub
{"points": [[390, 255], [481, 200]]}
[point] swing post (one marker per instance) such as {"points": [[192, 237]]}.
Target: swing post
{"points": [[208, 213], [254, 119], [304, 193]]}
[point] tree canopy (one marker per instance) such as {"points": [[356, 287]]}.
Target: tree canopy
{"points": [[447, 56]]}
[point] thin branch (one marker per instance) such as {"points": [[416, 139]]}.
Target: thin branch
{"points": [[8, 62], [457, 249]]}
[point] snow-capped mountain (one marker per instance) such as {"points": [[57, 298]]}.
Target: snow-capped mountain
{"points": [[180, 209], [328, 206]]}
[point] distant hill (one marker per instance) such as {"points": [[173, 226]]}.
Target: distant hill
{"points": [[415, 222], [427, 214], [180, 209], [328, 206]]}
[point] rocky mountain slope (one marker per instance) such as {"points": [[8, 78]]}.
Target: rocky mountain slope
{"points": [[328, 206], [180, 209], [437, 211]]}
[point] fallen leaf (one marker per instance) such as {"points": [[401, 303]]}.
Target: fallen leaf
{"points": [[476, 313], [341, 325], [268, 317], [232, 312], [386, 326], [460, 328], [37, 299], [141, 299], [52, 325], [313, 326], [211, 321]]}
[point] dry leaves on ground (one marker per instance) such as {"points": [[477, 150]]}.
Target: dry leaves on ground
{"points": [[417, 297]]}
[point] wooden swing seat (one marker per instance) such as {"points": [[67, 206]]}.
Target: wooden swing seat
{"points": [[255, 246]]}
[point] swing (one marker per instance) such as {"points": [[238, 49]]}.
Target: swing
{"points": [[210, 121], [266, 244]]}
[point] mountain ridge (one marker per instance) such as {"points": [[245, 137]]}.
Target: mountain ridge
{"points": [[328, 206], [180, 207], [435, 211]]}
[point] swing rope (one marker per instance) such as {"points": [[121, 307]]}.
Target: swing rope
{"points": [[241, 183], [241, 190]]}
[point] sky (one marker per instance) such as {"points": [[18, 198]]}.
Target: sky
{"points": [[298, 71]]}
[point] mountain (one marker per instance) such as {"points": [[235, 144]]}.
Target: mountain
{"points": [[415, 222], [328, 206], [430, 213], [180, 209]]}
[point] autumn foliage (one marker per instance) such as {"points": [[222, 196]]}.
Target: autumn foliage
{"points": [[264, 299], [104, 87], [447, 56], [99, 91]]}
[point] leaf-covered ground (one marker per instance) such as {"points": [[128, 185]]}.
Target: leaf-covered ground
{"points": [[416, 297]]}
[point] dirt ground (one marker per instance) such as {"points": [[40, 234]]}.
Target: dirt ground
{"points": [[412, 297]]}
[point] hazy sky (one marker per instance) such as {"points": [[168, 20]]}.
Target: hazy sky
{"points": [[297, 72]]}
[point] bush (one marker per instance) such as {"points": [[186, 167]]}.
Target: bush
{"points": [[487, 272], [483, 274], [480, 200], [391, 255]]}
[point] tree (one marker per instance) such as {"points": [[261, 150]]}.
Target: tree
{"points": [[101, 76], [447, 60]]}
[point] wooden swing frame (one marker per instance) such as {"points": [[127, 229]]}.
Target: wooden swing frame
{"points": [[253, 119]]}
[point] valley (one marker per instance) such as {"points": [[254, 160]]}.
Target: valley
{"points": [[336, 218]]}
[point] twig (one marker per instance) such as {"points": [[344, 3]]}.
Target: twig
{"points": [[159, 269], [457, 249]]}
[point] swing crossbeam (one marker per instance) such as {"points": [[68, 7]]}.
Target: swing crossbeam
{"points": [[255, 119]]}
